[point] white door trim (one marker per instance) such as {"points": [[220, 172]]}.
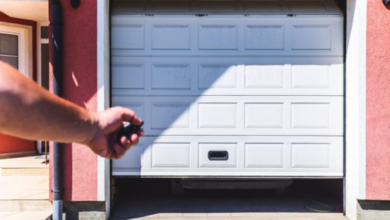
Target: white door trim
{"points": [[22, 33], [103, 97], [355, 105], [39, 42]]}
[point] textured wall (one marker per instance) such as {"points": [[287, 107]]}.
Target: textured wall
{"points": [[80, 87], [378, 102], [9, 144]]}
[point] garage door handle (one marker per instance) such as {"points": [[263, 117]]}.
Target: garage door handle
{"points": [[218, 155]]}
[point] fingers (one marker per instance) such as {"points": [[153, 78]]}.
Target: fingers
{"points": [[119, 151], [125, 145], [114, 121], [140, 132], [129, 116]]}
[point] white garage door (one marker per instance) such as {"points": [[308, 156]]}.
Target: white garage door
{"points": [[231, 91]]}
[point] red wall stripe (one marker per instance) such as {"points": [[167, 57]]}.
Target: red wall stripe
{"points": [[10, 144]]}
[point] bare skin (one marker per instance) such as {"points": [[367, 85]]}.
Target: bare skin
{"points": [[30, 112]]}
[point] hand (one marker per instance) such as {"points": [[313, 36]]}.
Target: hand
{"points": [[109, 122]]}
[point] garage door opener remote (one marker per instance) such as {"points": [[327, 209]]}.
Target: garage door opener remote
{"points": [[129, 130]]}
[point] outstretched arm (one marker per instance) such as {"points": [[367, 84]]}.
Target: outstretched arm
{"points": [[29, 111]]}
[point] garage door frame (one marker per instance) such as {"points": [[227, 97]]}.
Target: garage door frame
{"points": [[355, 100]]}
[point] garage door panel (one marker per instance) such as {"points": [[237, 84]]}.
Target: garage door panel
{"points": [[238, 94], [171, 37], [128, 37], [311, 37], [226, 76], [170, 115], [240, 115], [216, 36], [264, 37], [247, 156], [171, 76]]}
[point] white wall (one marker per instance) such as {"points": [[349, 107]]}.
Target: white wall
{"points": [[355, 105]]}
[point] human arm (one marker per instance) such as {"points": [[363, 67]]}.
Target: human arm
{"points": [[29, 111]]}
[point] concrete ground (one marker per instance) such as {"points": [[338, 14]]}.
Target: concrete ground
{"points": [[151, 199]]}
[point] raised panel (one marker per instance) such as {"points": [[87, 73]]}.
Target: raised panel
{"points": [[133, 158], [215, 36], [130, 76], [264, 115], [311, 76], [171, 155], [290, 76], [218, 37], [264, 76], [139, 108], [217, 115], [173, 37], [264, 155], [240, 115], [217, 76], [310, 155], [311, 37], [170, 115], [264, 37], [171, 76], [205, 162], [127, 37], [255, 155], [310, 115]]}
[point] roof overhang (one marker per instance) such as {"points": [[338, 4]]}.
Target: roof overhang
{"points": [[35, 10]]}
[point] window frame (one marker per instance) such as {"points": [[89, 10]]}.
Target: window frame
{"points": [[39, 52], [22, 34]]}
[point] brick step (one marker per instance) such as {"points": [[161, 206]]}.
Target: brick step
{"points": [[25, 206]]}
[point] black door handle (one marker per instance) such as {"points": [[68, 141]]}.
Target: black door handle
{"points": [[218, 155]]}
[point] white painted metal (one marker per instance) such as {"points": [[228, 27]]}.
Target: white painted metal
{"points": [[227, 36], [269, 90], [270, 156], [103, 98], [217, 75], [237, 115], [355, 140]]}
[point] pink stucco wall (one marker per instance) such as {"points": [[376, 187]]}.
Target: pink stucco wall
{"points": [[80, 87], [378, 102]]}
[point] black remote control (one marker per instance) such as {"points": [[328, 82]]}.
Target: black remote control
{"points": [[128, 130]]}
